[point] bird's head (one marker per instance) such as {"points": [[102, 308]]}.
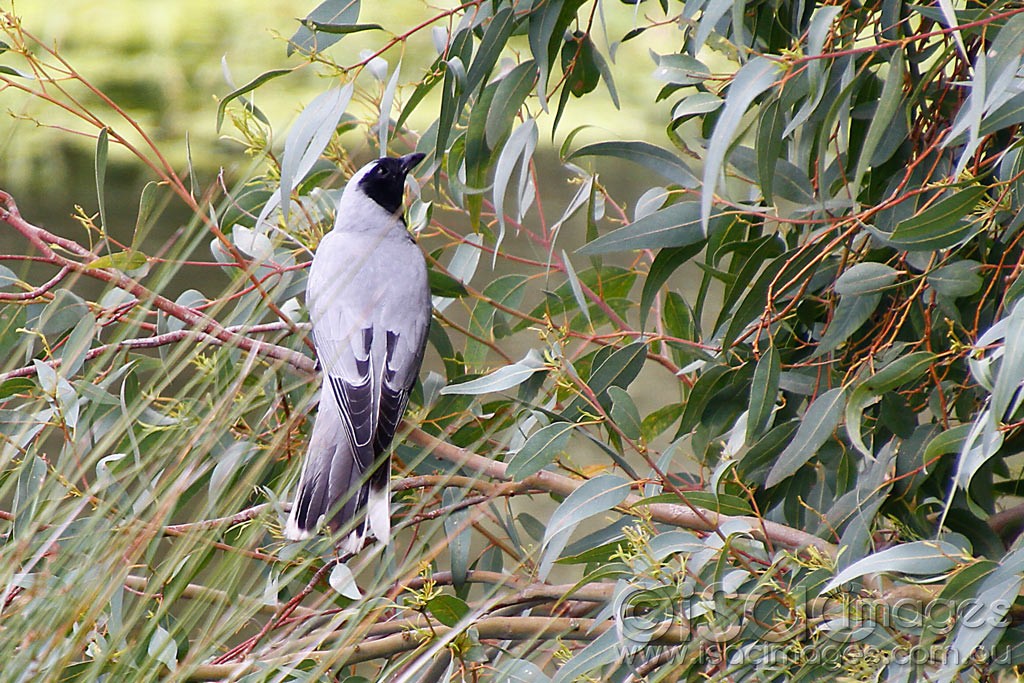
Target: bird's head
{"points": [[383, 181]]}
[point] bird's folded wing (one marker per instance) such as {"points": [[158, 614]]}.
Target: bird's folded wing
{"points": [[355, 384], [394, 390], [372, 392]]}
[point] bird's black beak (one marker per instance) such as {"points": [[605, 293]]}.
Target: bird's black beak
{"points": [[410, 161]]}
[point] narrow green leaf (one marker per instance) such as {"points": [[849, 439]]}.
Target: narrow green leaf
{"points": [[619, 368], [751, 80], [77, 345], [540, 450], [422, 90], [457, 529], [519, 151], [444, 285], [852, 312], [755, 254], [145, 219], [817, 426], [865, 278], [644, 154], [711, 381], [713, 11], [499, 28], [946, 442], [11, 71], [454, 79], [660, 420], [1011, 368], [337, 12], [248, 87], [602, 650], [788, 180], [941, 225], [102, 145], [677, 225], [994, 598], [386, 101], [777, 273], [768, 145], [666, 262], [919, 558], [897, 373], [624, 412], [577, 290], [121, 260], [901, 371], [62, 313], [764, 389], [547, 24], [512, 92], [502, 379], [606, 75], [338, 29], [888, 106], [595, 496], [307, 139]]}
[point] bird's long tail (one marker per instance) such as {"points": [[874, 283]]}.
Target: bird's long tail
{"points": [[334, 485]]}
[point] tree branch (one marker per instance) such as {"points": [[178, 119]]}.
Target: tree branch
{"points": [[200, 323], [668, 513], [489, 628]]}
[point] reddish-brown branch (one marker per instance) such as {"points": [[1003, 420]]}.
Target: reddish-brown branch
{"points": [[44, 241]]}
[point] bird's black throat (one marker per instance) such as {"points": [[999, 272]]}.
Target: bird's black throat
{"points": [[385, 184]]}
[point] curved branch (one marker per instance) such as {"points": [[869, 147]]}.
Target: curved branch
{"points": [[489, 628], [156, 341], [199, 322], [668, 513]]}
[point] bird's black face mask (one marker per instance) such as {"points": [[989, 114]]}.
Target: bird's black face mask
{"points": [[385, 184]]}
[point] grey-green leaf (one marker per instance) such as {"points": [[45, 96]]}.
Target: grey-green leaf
{"points": [[644, 154], [540, 450], [819, 422], [102, 145], [751, 80], [336, 12], [342, 581], [919, 558], [677, 225], [958, 279], [887, 108], [852, 312], [595, 496], [942, 225], [624, 412], [764, 389], [865, 277], [502, 379]]}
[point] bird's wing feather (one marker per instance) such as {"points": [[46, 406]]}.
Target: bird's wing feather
{"points": [[401, 364], [356, 389]]}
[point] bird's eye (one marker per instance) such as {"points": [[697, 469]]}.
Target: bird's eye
{"points": [[383, 171]]}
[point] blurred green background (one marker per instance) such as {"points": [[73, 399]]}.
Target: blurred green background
{"points": [[165, 64]]}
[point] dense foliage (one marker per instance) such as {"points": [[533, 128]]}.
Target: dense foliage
{"points": [[758, 422]]}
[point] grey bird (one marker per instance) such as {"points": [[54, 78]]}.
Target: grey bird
{"points": [[369, 303]]}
